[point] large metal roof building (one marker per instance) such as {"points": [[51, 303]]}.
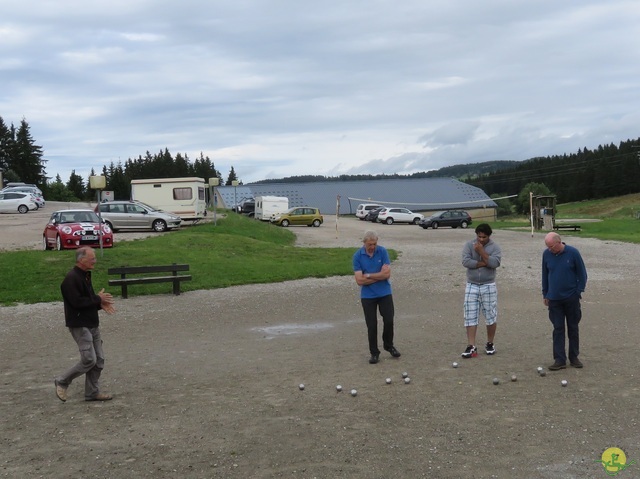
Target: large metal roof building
{"points": [[343, 197]]}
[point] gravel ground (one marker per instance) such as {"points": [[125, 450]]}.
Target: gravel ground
{"points": [[206, 383]]}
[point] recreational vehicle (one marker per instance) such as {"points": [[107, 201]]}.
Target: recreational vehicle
{"points": [[185, 197], [266, 206]]}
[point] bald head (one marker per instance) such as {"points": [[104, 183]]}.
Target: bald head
{"points": [[554, 243]]}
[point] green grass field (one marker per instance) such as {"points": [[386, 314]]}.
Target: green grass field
{"points": [[242, 251]]}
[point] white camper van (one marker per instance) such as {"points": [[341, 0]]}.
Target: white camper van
{"points": [[184, 197], [270, 205]]}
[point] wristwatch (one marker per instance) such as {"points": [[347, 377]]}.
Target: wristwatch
{"points": [[368, 275]]}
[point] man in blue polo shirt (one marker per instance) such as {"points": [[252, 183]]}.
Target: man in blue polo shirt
{"points": [[372, 270], [564, 278]]}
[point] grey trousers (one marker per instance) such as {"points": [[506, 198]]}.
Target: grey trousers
{"points": [[91, 361]]}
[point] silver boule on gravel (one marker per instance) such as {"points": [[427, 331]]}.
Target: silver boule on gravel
{"points": [[564, 383], [338, 388], [543, 373], [388, 380], [407, 380], [514, 378], [496, 381], [455, 365], [354, 392], [301, 386], [405, 375]]}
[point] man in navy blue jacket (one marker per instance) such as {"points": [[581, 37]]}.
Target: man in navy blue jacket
{"points": [[564, 278]]}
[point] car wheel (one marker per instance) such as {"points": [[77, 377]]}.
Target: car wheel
{"points": [[316, 223], [434, 225], [59, 243], [424, 227], [159, 226], [389, 221], [284, 223], [416, 221], [464, 224], [45, 246], [22, 209]]}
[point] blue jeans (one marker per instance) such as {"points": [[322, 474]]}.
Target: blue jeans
{"points": [[91, 361], [370, 307], [561, 312]]}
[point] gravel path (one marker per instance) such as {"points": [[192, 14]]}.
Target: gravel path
{"points": [[206, 383]]}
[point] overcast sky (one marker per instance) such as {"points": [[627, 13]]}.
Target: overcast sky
{"points": [[294, 87]]}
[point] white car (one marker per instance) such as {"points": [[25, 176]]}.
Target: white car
{"points": [[364, 208], [398, 215], [16, 202]]}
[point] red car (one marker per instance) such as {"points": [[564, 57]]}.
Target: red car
{"points": [[71, 229]]}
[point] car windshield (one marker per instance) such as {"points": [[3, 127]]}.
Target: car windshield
{"points": [[78, 217]]}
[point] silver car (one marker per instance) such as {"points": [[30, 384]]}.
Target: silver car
{"points": [[121, 215]]}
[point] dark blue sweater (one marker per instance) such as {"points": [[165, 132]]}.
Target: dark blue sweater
{"points": [[563, 274]]}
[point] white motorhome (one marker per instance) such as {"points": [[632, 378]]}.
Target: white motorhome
{"points": [[270, 205], [185, 197]]}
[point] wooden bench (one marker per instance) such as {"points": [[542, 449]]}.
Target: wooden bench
{"points": [[567, 227], [174, 278]]}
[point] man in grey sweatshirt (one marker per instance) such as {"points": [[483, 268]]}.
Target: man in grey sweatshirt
{"points": [[481, 257]]}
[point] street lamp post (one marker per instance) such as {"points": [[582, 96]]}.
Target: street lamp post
{"points": [[234, 183], [213, 182]]}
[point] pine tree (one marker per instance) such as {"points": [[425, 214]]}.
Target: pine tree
{"points": [[232, 177], [27, 160]]}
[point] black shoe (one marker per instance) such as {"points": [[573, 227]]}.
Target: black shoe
{"points": [[576, 363], [393, 351], [557, 366], [374, 358]]}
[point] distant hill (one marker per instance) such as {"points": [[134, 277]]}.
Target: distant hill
{"points": [[460, 172]]}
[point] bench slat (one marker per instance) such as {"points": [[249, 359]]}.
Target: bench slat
{"points": [[150, 279], [148, 269]]}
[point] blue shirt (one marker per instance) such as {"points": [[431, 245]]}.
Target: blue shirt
{"points": [[564, 274], [372, 264]]}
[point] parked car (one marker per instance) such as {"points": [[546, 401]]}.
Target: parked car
{"points": [[38, 200], [71, 229], [453, 218], [301, 215], [23, 185], [23, 189], [120, 215], [248, 207], [372, 215], [16, 202], [364, 208], [398, 215]]}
